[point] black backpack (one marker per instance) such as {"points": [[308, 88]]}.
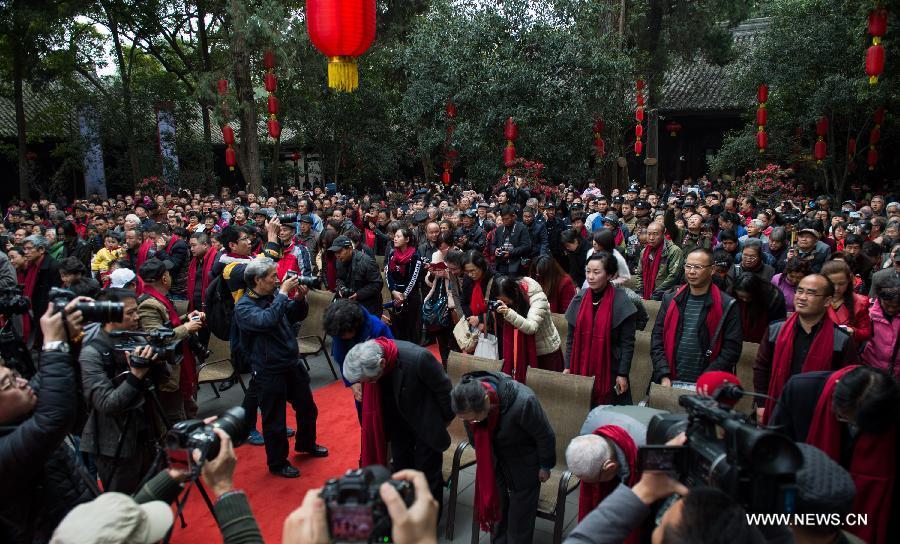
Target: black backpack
{"points": [[219, 305]]}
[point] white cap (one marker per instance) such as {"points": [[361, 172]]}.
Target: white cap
{"points": [[121, 277]]}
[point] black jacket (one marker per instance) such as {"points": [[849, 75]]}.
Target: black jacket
{"points": [[180, 255], [48, 276], [524, 441], [577, 259], [41, 481], [555, 228], [475, 238], [267, 337], [79, 249], [421, 393], [361, 275], [540, 244], [732, 334], [519, 244], [844, 353]]}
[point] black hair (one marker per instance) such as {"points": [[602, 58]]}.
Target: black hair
{"points": [[455, 257], [796, 264], [115, 294], [604, 238], [569, 236], [872, 395], [467, 396], [201, 237], [68, 229], [86, 287], [445, 238], [727, 234], [343, 316], [872, 249], [476, 259], [889, 289], [509, 287], [610, 264], [71, 265], [720, 257], [507, 210], [230, 235], [711, 516], [853, 240]]}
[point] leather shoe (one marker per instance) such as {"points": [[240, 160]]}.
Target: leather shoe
{"points": [[316, 451], [287, 471]]}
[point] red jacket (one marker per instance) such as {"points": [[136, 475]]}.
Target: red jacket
{"points": [[565, 292], [860, 321]]}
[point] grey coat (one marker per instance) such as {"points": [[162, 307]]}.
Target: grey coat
{"points": [[623, 329]]}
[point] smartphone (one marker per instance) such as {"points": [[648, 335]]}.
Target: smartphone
{"points": [[195, 318], [661, 458]]}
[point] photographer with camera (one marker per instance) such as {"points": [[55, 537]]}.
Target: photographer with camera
{"points": [[178, 391], [121, 432], [358, 277], [405, 401], [263, 319], [511, 244], [38, 471]]}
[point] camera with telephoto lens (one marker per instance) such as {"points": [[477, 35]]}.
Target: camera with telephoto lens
{"points": [[287, 218], [13, 302], [757, 467], [193, 434], [356, 512], [494, 305], [162, 341], [307, 281], [97, 312]]}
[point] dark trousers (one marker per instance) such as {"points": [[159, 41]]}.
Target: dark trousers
{"points": [[446, 343], [276, 389], [409, 452], [405, 325], [127, 473], [518, 508]]}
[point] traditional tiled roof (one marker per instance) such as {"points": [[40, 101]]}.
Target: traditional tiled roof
{"points": [[703, 87], [45, 116]]}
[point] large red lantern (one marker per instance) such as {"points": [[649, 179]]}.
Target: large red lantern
{"points": [[269, 59], [874, 63], [762, 116], [451, 110], [342, 30], [639, 115], [599, 125], [762, 93], [599, 144], [445, 177], [600, 147], [511, 130], [230, 158], [509, 155], [639, 131], [274, 128], [875, 135], [822, 127], [762, 140], [820, 150], [638, 147], [877, 24], [270, 81], [228, 135], [878, 116], [872, 158], [273, 105], [851, 148]]}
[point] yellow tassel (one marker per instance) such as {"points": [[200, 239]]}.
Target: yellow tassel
{"points": [[873, 80], [342, 74]]}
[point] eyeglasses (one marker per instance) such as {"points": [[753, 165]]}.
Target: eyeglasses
{"points": [[807, 292], [698, 267], [751, 257]]}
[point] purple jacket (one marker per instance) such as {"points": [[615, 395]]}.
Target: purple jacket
{"points": [[883, 345], [780, 281]]}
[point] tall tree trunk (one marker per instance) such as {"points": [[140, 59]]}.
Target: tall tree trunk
{"points": [[204, 105], [127, 105], [248, 147], [652, 172], [21, 140]]}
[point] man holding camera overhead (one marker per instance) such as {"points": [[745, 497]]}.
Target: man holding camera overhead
{"points": [[264, 317], [156, 311]]}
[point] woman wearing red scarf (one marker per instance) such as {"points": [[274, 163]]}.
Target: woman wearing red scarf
{"points": [[529, 337], [760, 303], [403, 272], [850, 414], [601, 332], [515, 446], [477, 289], [848, 309]]}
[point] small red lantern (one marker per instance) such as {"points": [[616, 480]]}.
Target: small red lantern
{"points": [[599, 125], [295, 156], [638, 147], [878, 116], [269, 59], [640, 99], [452, 154], [877, 24], [640, 84], [600, 147], [639, 115], [451, 110], [674, 127], [875, 135], [274, 128], [509, 155], [762, 140], [851, 148], [822, 127], [762, 116], [230, 158], [342, 30], [762, 93], [510, 130], [222, 87], [228, 135], [273, 105], [874, 63], [639, 131], [445, 177], [270, 81], [820, 150], [872, 158]]}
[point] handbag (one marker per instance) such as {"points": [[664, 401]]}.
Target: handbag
{"points": [[467, 336], [487, 346], [435, 311]]}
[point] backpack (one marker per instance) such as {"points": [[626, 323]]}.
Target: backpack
{"points": [[219, 305]]}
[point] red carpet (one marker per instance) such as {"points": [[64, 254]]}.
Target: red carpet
{"points": [[273, 498]]}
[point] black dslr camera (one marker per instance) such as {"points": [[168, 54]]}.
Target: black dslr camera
{"points": [[13, 302], [757, 467], [307, 281], [494, 305], [186, 436], [355, 510], [287, 218], [345, 292], [97, 312]]}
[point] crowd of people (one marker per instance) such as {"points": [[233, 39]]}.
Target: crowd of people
{"points": [[814, 282]]}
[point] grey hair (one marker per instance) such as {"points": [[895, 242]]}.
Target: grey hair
{"points": [[753, 243], [778, 234], [37, 241], [257, 268], [363, 361], [586, 454], [757, 223]]}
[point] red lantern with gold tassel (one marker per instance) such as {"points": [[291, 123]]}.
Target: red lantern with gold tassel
{"points": [[511, 133], [639, 116], [762, 141], [230, 158], [342, 30], [228, 135], [820, 150], [599, 144], [271, 84], [274, 128], [872, 158], [228, 140], [875, 53], [762, 117], [638, 147]]}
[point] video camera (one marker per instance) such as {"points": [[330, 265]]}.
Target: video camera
{"points": [[13, 302], [757, 467], [161, 340], [356, 512], [186, 436], [97, 312]]}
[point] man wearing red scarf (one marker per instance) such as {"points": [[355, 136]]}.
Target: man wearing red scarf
{"points": [[137, 249], [41, 274], [850, 414], [199, 270], [659, 266], [155, 310], [807, 341], [405, 401], [684, 343], [516, 448]]}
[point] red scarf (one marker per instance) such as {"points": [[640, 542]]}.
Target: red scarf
{"points": [[519, 349], [328, 261], [171, 243], [188, 376], [619, 236], [817, 358], [370, 238], [477, 304], [487, 495], [31, 276], [591, 348], [649, 270], [142, 254], [592, 494], [872, 465], [374, 439], [670, 326], [400, 259], [209, 259]]}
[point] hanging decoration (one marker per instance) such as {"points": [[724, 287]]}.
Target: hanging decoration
{"points": [[511, 133], [874, 137], [599, 144], [227, 131], [875, 52], [673, 127], [450, 154], [342, 30], [821, 149], [762, 117], [639, 117], [271, 83]]}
